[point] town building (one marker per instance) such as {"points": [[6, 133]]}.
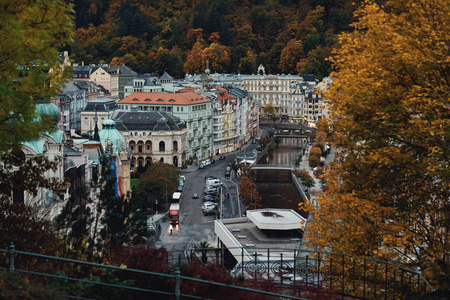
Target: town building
{"points": [[113, 79], [114, 145], [149, 83], [152, 137], [193, 109], [98, 109], [294, 96], [72, 100], [50, 145]]}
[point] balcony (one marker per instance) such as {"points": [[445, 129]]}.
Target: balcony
{"points": [[200, 137], [205, 127], [196, 129], [191, 139], [200, 118], [205, 146], [196, 148], [189, 121], [209, 117]]}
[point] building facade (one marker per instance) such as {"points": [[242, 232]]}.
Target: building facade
{"points": [[99, 109], [295, 96], [193, 109], [152, 137]]}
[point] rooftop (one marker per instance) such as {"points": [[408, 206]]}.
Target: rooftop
{"points": [[261, 231], [164, 99]]}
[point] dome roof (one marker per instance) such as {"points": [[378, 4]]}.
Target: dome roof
{"points": [[109, 133], [45, 108]]}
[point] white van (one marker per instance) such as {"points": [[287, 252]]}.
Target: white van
{"points": [[213, 183]]}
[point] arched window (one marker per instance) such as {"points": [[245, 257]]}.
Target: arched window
{"points": [[162, 146], [175, 146], [162, 159]]}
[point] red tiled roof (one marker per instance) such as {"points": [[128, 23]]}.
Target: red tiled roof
{"points": [[164, 98]]}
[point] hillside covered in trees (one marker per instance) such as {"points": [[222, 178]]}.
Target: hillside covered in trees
{"points": [[178, 36]]}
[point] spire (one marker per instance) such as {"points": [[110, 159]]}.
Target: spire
{"points": [[96, 135]]}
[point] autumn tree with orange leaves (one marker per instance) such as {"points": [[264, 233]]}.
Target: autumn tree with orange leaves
{"points": [[389, 189]]}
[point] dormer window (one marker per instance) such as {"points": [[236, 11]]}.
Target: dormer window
{"points": [[135, 99]]}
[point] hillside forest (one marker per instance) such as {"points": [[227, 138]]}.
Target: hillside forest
{"points": [[179, 36]]}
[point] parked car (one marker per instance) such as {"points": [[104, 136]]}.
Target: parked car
{"points": [[207, 162], [194, 196], [180, 188], [209, 198], [212, 160], [201, 166], [210, 177], [211, 193], [222, 157], [211, 190], [210, 205], [208, 211]]}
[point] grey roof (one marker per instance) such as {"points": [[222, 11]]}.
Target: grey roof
{"points": [[150, 80], [123, 71], [101, 104], [146, 120], [166, 76], [78, 69], [309, 77], [238, 93], [71, 151]]}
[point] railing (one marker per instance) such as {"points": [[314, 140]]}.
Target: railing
{"points": [[343, 274], [140, 282]]}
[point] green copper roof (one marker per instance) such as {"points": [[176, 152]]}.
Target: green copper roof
{"points": [[110, 133], [48, 109], [36, 145]]}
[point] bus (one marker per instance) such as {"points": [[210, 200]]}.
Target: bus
{"points": [[176, 198]]}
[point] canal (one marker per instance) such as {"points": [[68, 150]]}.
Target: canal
{"points": [[275, 186]]}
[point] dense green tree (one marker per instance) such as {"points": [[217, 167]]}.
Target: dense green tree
{"points": [[159, 182], [32, 34]]}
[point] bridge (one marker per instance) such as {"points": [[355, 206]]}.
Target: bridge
{"points": [[287, 126], [273, 167], [289, 130]]}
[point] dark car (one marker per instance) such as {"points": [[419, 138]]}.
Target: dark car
{"points": [[213, 193], [212, 160], [209, 198], [194, 196], [222, 157]]}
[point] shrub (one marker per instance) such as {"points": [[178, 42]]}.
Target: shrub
{"points": [[313, 161], [315, 151]]}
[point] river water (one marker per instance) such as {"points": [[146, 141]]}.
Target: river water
{"points": [[275, 186]]}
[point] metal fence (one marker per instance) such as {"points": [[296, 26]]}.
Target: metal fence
{"points": [[341, 274], [347, 275], [134, 284]]}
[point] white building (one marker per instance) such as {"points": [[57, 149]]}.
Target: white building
{"points": [[295, 96], [193, 109], [265, 236], [152, 137]]}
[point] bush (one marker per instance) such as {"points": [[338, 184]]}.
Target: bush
{"points": [[315, 151], [313, 161]]}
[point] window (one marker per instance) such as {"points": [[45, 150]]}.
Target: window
{"points": [[162, 146]]}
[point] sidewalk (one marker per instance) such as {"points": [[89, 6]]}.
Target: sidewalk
{"points": [[305, 165]]}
